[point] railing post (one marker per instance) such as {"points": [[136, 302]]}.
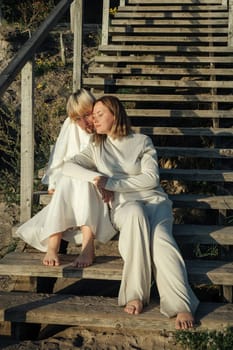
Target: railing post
{"points": [[77, 28], [122, 3], [27, 141], [105, 22], [225, 3], [230, 24]]}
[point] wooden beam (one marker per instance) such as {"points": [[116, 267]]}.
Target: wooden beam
{"points": [[105, 22], [230, 24], [77, 16], [27, 142]]}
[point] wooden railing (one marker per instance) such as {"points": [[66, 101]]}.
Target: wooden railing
{"points": [[24, 62]]}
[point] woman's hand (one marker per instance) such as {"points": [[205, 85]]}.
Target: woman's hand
{"points": [[100, 182]]}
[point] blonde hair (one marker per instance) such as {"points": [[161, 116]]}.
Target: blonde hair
{"points": [[79, 103], [122, 126]]}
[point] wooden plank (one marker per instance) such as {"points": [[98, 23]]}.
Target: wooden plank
{"points": [[184, 2], [107, 268], [202, 201], [194, 152], [165, 48], [134, 70], [162, 59], [102, 313], [178, 30], [163, 38], [183, 131], [172, 98], [180, 83], [171, 22], [203, 234], [179, 113], [186, 8], [192, 175], [170, 14]]}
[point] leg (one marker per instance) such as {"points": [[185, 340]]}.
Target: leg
{"points": [[87, 254], [176, 296], [51, 257], [134, 249]]}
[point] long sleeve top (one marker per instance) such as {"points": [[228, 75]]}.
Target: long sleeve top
{"points": [[71, 140], [130, 163]]}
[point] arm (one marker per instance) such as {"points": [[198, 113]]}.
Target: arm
{"points": [[147, 179]]}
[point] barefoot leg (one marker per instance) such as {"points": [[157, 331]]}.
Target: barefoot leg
{"points": [[51, 257], [184, 320], [87, 254], [134, 307]]}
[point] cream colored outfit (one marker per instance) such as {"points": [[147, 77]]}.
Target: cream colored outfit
{"points": [[73, 204], [142, 212]]}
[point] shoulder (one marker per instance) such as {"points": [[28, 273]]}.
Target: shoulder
{"points": [[142, 139]]}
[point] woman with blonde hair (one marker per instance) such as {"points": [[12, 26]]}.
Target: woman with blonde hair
{"points": [[76, 212], [125, 163]]}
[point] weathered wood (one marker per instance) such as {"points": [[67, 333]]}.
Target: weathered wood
{"points": [[171, 39], [160, 83], [27, 142], [202, 201], [108, 268], [184, 2], [178, 113], [163, 48], [134, 70], [194, 152], [158, 59], [173, 8], [102, 313], [171, 22], [177, 14], [190, 175], [230, 24], [175, 30], [173, 98], [105, 22], [77, 55]]}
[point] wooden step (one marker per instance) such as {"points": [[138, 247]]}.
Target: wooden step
{"points": [[186, 8], [145, 70], [193, 175], [172, 98], [171, 22], [107, 268], [163, 59], [194, 152], [102, 313], [170, 14], [183, 2], [163, 38], [178, 30], [178, 113], [165, 48], [173, 83]]}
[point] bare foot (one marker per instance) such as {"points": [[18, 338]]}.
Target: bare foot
{"points": [[134, 307], [184, 320], [86, 257], [51, 259]]}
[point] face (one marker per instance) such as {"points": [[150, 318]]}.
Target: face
{"points": [[85, 121], [103, 119]]}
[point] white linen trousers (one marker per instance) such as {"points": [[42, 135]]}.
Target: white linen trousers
{"points": [[142, 212]]}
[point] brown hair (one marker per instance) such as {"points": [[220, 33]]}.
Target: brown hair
{"points": [[79, 103], [122, 126]]}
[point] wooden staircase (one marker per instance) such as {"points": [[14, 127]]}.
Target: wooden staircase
{"points": [[171, 66]]}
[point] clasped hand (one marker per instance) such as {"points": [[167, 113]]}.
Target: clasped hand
{"points": [[100, 183]]}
